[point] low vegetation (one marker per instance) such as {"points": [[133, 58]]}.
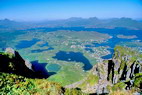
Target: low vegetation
{"points": [[11, 84]]}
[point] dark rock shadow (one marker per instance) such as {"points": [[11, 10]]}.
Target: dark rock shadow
{"points": [[40, 68]]}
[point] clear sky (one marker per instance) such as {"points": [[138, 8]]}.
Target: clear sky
{"points": [[62, 9]]}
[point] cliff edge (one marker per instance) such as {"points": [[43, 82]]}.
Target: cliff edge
{"points": [[121, 73]]}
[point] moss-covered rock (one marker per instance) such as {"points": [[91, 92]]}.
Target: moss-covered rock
{"points": [[122, 72], [138, 80]]}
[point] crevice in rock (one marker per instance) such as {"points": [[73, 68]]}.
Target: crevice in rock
{"points": [[110, 70], [123, 76], [136, 70], [132, 67]]}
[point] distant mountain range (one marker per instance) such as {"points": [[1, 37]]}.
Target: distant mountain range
{"points": [[92, 22], [6, 23]]}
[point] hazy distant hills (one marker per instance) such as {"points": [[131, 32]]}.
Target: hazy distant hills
{"points": [[92, 22], [98, 23], [10, 24], [6, 23]]}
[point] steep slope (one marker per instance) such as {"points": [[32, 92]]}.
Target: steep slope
{"points": [[126, 64], [122, 73], [12, 62], [11, 84], [17, 77]]}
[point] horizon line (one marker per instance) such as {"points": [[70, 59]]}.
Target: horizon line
{"points": [[38, 20]]}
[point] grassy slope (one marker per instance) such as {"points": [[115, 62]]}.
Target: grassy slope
{"points": [[11, 84]]}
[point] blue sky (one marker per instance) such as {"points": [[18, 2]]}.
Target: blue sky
{"points": [[62, 9]]}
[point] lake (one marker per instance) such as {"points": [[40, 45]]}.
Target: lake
{"points": [[73, 56], [41, 50], [53, 67], [26, 44]]}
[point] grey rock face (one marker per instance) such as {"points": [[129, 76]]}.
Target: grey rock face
{"points": [[28, 64], [10, 51]]}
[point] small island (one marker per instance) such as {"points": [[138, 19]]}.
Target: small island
{"points": [[126, 37]]}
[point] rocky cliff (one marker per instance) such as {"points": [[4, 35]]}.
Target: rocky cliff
{"points": [[17, 77], [12, 62], [121, 73], [126, 66]]}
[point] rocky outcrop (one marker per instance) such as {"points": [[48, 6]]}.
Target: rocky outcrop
{"points": [[122, 72], [127, 64], [123, 68], [12, 62], [12, 66]]}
